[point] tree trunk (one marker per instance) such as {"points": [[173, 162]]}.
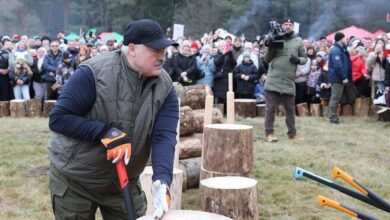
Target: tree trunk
{"points": [[187, 215], [260, 110], [48, 106], [4, 108], [195, 96], [187, 121], [384, 114], [303, 110], [315, 110], [362, 107], [199, 117], [191, 172], [33, 107], [325, 107], [190, 146], [228, 148], [18, 108], [374, 111], [245, 107], [235, 197], [175, 189], [346, 110]]}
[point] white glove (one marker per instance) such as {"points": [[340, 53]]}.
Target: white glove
{"points": [[183, 74], [161, 199]]}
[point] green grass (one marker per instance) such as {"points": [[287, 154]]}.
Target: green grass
{"points": [[359, 146]]}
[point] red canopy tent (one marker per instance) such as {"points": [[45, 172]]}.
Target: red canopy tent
{"points": [[353, 31], [379, 32]]}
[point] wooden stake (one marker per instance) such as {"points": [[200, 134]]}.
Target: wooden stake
{"points": [[230, 108], [208, 111]]}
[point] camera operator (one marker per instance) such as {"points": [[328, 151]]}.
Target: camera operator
{"points": [[280, 86]]}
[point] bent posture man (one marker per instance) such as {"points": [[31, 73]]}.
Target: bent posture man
{"points": [[120, 105]]}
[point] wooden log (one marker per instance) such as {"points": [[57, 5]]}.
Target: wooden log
{"points": [[187, 215], [228, 148], [324, 107], [230, 115], [199, 117], [205, 174], [315, 110], [260, 110], [232, 196], [374, 111], [384, 115], [221, 107], [4, 109], [191, 172], [187, 121], [48, 106], [190, 146], [362, 107], [346, 110], [195, 96], [17, 108], [280, 111], [34, 108], [303, 110], [245, 107], [175, 189]]}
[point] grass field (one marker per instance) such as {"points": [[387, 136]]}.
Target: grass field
{"points": [[359, 146]]}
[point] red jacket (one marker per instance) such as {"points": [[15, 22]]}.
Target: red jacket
{"points": [[358, 67]]}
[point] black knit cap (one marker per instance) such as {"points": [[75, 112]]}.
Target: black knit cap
{"points": [[338, 36], [146, 32], [288, 20]]}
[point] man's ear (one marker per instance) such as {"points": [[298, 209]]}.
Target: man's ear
{"points": [[131, 49]]}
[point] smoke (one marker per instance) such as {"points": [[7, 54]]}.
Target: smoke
{"points": [[244, 21], [322, 24]]}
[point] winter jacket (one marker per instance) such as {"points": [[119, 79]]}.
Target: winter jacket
{"points": [[374, 65], [207, 69], [304, 70], [225, 63], [50, 65], [63, 73], [281, 72], [248, 69], [4, 56], [312, 78], [37, 72], [187, 64], [358, 67], [340, 66], [22, 72], [323, 79]]}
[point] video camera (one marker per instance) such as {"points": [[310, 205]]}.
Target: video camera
{"points": [[274, 35]]}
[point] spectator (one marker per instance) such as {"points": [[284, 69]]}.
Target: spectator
{"points": [[248, 48], [312, 81], [339, 74], [39, 85], [73, 50], [51, 63], [359, 72], [324, 84], [64, 71], [185, 65], [20, 78], [110, 45], [237, 49], [103, 49], [195, 49], [94, 52], [300, 82], [246, 76], [375, 67], [22, 50], [205, 64], [83, 55], [171, 55]]}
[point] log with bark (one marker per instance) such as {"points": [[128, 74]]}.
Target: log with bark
{"points": [[48, 106], [346, 110], [260, 110], [187, 121], [384, 114], [190, 146], [191, 172], [199, 117], [245, 107], [4, 108], [235, 197], [362, 106], [195, 96], [303, 110], [34, 108], [315, 110], [17, 108]]}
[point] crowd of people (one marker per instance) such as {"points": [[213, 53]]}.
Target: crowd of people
{"points": [[39, 67]]}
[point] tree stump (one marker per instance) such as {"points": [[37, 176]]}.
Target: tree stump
{"points": [[245, 107], [187, 215], [315, 110], [324, 107], [221, 107], [362, 107], [280, 111], [228, 148], [384, 114], [48, 106], [346, 110], [187, 121], [205, 174], [33, 107], [195, 96], [175, 189], [374, 111], [18, 108], [217, 118], [4, 109], [191, 172], [260, 110], [303, 110], [235, 197], [190, 146]]}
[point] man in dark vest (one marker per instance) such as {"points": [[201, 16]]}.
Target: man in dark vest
{"points": [[124, 94], [280, 86]]}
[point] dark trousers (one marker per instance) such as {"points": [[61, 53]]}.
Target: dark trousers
{"points": [[5, 88], [273, 100], [363, 86], [337, 93], [300, 91], [244, 96]]}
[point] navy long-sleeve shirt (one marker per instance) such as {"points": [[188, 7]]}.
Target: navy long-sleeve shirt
{"points": [[78, 97]]}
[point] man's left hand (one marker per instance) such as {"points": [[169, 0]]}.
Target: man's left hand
{"points": [[161, 199], [294, 59]]}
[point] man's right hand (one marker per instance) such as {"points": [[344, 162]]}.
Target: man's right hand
{"points": [[345, 81], [118, 145]]}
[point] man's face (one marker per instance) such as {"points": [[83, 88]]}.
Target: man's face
{"points": [[72, 45], [110, 47], [323, 42], [237, 43], [288, 27], [148, 61], [343, 41], [54, 46]]}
